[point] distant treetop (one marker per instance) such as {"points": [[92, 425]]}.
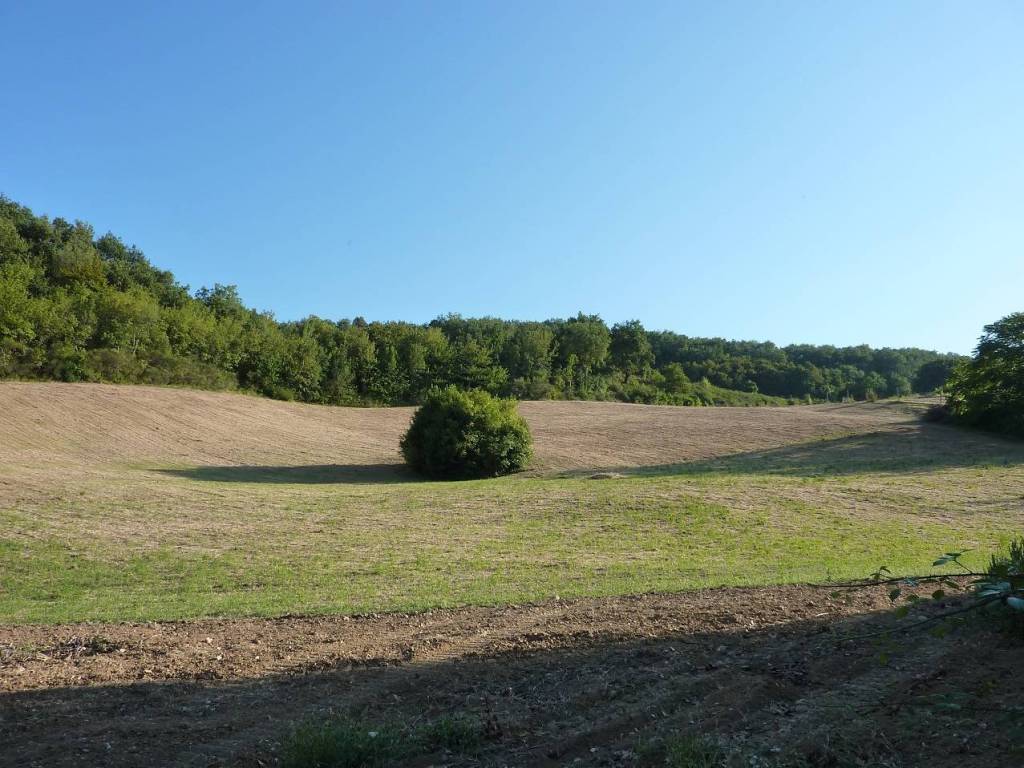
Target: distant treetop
{"points": [[75, 307]]}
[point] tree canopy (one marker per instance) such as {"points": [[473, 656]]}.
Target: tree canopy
{"points": [[988, 390], [75, 307]]}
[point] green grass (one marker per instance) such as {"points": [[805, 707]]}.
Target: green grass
{"points": [[693, 752], [345, 744], [349, 743], [318, 549], [679, 750], [145, 543]]}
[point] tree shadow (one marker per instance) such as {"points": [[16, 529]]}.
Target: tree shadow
{"points": [[312, 474], [546, 705], [906, 449]]}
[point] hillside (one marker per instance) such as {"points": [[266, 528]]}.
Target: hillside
{"points": [[185, 574], [76, 307], [93, 426], [146, 502]]}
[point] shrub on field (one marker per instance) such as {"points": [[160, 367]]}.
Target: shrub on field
{"points": [[459, 435]]}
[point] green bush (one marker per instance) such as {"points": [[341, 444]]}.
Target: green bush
{"points": [[460, 435]]}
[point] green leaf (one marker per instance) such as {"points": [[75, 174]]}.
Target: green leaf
{"points": [[894, 594], [938, 594]]}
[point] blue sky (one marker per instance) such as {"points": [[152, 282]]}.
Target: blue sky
{"points": [[799, 172]]}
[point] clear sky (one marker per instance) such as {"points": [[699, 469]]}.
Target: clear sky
{"points": [[800, 172]]}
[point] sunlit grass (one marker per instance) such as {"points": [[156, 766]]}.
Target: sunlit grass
{"points": [[172, 547]]}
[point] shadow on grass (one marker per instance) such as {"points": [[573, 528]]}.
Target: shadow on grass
{"points": [[313, 474], [551, 706], [915, 448]]}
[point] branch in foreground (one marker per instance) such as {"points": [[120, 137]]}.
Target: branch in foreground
{"points": [[980, 603]]}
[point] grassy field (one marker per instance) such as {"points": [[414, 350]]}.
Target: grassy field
{"points": [[133, 503]]}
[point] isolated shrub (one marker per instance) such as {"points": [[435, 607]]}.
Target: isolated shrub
{"points": [[458, 435]]}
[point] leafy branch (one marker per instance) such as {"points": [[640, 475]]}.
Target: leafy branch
{"points": [[1002, 582]]}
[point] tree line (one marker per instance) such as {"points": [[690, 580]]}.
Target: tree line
{"points": [[76, 307]]}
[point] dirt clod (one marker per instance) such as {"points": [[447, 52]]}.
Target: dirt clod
{"points": [[559, 678]]}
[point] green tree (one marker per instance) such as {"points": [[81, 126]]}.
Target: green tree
{"points": [[74, 307], [674, 379], [898, 385], [12, 247], [17, 316], [76, 260], [932, 375], [130, 322], [988, 390], [630, 349], [472, 367]]}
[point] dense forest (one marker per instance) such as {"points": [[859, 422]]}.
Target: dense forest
{"points": [[75, 307]]}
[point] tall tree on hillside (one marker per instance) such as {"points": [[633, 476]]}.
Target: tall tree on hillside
{"points": [[630, 348], [988, 391], [932, 375], [582, 344]]}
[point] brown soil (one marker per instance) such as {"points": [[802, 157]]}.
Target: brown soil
{"points": [[561, 683]]}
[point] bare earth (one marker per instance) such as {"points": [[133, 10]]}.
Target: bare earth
{"points": [[579, 682], [562, 683]]}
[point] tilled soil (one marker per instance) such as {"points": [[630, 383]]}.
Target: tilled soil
{"points": [[767, 672]]}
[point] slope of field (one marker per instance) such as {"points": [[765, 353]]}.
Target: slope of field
{"points": [[92, 425], [142, 503]]}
